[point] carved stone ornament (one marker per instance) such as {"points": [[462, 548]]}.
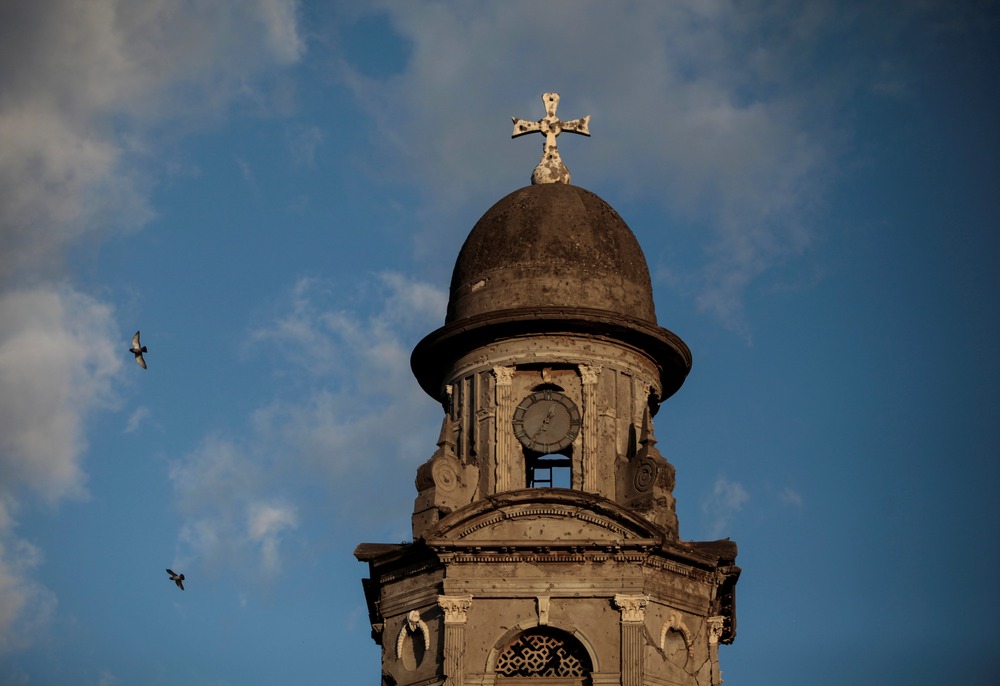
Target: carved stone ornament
{"points": [[633, 607], [543, 610], [551, 169], [715, 626], [589, 373], [412, 625], [446, 472], [676, 623], [503, 375], [456, 608]]}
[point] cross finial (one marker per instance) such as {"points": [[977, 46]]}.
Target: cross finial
{"points": [[551, 169]]}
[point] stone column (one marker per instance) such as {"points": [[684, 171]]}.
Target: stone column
{"points": [[456, 613], [504, 434], [633, 609], [589, 466]]}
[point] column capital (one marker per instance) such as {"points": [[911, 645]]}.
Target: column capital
{"points": [[633, 607], [715, 626], [589, 373], [456, 608], [503, 375]]}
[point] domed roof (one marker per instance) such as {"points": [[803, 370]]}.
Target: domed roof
{"points": [[551, 245], [549, 259]]}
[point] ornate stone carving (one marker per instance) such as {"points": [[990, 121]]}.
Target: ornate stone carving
{"points": [[633, 607], [541, 653], [443, 483], [589, 374], [456, 614], [551, 168], [646, 479], [412, 625], [456, 608], [676, 623], [503, 375], [715, 627]]}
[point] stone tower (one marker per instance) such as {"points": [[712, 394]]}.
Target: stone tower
{"points": [[545, 541]]}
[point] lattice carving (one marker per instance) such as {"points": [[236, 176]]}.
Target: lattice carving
{"points": [[541, 653]]}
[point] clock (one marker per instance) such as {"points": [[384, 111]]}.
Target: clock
{"points": [[546, 421]]}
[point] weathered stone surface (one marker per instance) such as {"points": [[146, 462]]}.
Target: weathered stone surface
{"points": [[562, 559], [550, 343], [551, 168], [545, 246]]}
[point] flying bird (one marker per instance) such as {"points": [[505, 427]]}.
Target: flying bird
{"points": [[176, 578], [138, 349]]}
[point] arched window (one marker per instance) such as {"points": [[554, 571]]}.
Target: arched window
{"points": [[543, 655]]}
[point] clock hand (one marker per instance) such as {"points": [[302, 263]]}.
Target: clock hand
{"points": [[545, 422]]}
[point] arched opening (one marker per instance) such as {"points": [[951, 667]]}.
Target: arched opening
{"points": [[543, 655]]}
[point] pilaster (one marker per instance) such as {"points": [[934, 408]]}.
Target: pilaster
{"points": [[456, 614], [504, 437], [633, 609], [589, 375], [715, 627]]}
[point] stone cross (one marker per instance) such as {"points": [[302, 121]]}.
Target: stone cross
{"points": [[551, 169]]}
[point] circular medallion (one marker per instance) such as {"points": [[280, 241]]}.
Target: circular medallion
{"points": [[546, 421]]}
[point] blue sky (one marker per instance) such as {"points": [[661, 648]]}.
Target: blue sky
{"points": [[275, 192]]}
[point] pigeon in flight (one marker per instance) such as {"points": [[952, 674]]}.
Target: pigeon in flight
{"points": [[176, 578], [138, 349]]}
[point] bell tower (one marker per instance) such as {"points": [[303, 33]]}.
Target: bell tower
{"points": [[546, 547]]}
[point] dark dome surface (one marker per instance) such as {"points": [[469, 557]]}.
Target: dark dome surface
{"points": [[550, 259], [551, 245]]}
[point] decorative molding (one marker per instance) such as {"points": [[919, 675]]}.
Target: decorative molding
{"points": [[543, 609], [633, 607], [546, 511], [412, 625], [456, 608]]}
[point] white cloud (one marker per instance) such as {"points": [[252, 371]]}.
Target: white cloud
{"points": [[25, 604], [281, 29], [347, 409], [303, 142], [87, 89], [265, 523], [136, 418], [725, 502], [59, 352], [688, 106], [790, 496], [232, 520]]}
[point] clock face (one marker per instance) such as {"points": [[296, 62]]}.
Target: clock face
{"points": [[546, 421]]}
